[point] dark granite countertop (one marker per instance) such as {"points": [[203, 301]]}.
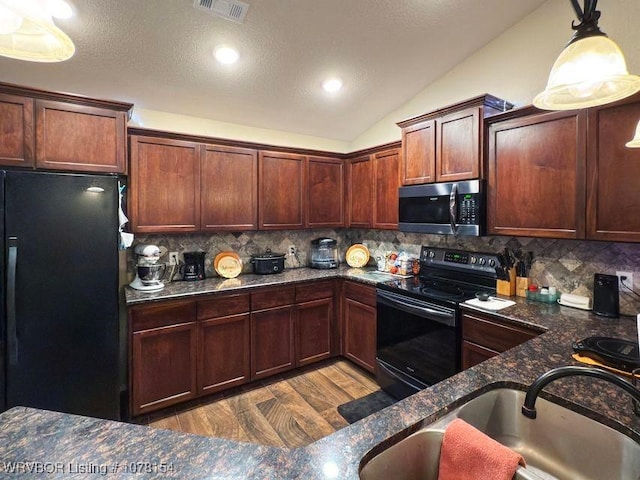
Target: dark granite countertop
{"points": [[71, 443], [181, 289]]}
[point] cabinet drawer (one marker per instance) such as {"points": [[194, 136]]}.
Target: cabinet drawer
{"points": [[223, 306], [314, 291], [362, 293], [163, 314], [272, 298], [493, 335]]}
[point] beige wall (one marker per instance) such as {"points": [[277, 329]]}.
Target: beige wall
{"points": [[513, 66]]}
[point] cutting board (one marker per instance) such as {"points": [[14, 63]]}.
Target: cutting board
{"points": [[492, 304]]}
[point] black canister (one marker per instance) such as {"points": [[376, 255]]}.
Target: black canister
{"points": [[193, 268]]}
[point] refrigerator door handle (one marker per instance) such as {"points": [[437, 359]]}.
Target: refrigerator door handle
{"points": [[12, 333]]}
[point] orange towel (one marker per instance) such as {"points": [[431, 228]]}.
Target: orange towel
{"points": [[468, 454]]}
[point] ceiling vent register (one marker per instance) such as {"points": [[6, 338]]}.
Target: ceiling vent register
{"points": [[231, 10]]}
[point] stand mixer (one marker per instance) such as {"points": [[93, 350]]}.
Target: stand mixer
{"points": [[148, 270]]}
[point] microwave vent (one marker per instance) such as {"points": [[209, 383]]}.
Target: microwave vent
{"points": [[233, 10]]}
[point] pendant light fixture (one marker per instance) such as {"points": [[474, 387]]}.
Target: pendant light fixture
{"points": [[27, 31], [590, 71]]}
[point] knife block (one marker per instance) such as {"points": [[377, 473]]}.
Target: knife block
{"points": [[507, 287], [522, 285]]}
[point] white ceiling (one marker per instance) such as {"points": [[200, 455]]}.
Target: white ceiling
{"points": [[158, 55]]}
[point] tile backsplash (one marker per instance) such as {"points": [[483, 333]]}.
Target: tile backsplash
{"points": [[567, 264]]}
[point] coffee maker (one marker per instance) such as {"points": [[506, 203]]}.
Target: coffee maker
{"points": [[193, 268], [148, 269]]}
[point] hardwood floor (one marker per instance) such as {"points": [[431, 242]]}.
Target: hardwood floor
{"points": [[284, 411]]}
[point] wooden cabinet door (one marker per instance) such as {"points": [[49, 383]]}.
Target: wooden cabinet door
{"points": [[223, 352], [80, 138], [313, 332], [163, 367], [419, 153], [387, 181], [17, 138], [458, 146], [360, 192], [473, 354], [272, 341], [325, 192], [613, 173], [229, 188], [360, 333], [537, 175], [281, 196], [165, 185]]}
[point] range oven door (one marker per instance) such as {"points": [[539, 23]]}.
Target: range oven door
{"points": [[418, 343]]}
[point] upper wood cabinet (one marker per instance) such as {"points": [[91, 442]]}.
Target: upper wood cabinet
{"points": [[386, 167], [229, 188], [360, 192], [80, 138], [17, 138], [613, 173], [281, 195], [536, 174], [325, 189], [165, 185], [446, 145], [56, 131]]}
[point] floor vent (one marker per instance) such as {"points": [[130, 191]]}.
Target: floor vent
{"points": [[233, 10]]}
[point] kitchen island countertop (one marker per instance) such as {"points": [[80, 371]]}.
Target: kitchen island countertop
{"points": [[69, 442]]}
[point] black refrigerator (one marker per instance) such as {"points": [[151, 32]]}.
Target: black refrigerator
{"points": [[60, 324]]}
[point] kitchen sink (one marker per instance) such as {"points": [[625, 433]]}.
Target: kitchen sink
{"points": [[377, 276], [558, 444]]}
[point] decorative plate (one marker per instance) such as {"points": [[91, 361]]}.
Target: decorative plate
{"points": [[227, 264], [357, 255]]}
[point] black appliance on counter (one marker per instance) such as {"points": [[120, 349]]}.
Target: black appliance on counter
{"points": [[59, 318], [193, 268], [418, 318], [324, 253], [606, 295], [268, 262], [453, 208]]}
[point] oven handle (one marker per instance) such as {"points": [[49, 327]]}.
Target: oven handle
{"points": [[416, 307]]}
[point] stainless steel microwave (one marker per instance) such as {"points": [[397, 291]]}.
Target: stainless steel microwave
{"points": [[453, 208]]}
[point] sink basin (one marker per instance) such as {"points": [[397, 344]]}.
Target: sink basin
{"points": [[375, 276], [559, 444]]}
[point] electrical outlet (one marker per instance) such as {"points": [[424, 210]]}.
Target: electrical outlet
{"points": [[173, 258], [292, 249], [628, 282]]}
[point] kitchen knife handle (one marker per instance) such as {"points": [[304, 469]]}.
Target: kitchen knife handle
{"points": [[12, 332], [453, 200]]}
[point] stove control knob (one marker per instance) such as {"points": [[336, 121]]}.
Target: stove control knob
{"points": [[492, 263], [482, 260], [473, 259], [431, 254]]}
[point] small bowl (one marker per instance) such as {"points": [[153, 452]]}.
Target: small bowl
{"points": [[483, 296]]}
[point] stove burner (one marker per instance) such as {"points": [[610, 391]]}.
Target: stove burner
{"points": [[438, 289]]}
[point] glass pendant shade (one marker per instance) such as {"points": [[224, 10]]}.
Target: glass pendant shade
{"points": [[635, 141], [27, 32], [590, 71]]}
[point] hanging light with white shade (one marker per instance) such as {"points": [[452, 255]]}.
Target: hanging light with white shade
{"points": [[590, 71], [27, 31]]}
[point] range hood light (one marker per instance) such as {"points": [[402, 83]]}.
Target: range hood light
{"points": [[590, 71]]}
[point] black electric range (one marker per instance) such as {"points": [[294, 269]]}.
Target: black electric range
{"points": [[418, 319]]}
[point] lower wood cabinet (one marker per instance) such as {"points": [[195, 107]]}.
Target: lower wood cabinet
{"points": [[485, 336], [359, 324], [163, 355], [223, 342], [183, 349]]}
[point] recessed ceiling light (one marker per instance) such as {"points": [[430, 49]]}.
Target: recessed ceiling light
{"points": [[332, 85], [227, 55], [59, 9]]}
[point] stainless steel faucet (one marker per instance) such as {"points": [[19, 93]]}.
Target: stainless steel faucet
{"points": [[529, 407]]}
